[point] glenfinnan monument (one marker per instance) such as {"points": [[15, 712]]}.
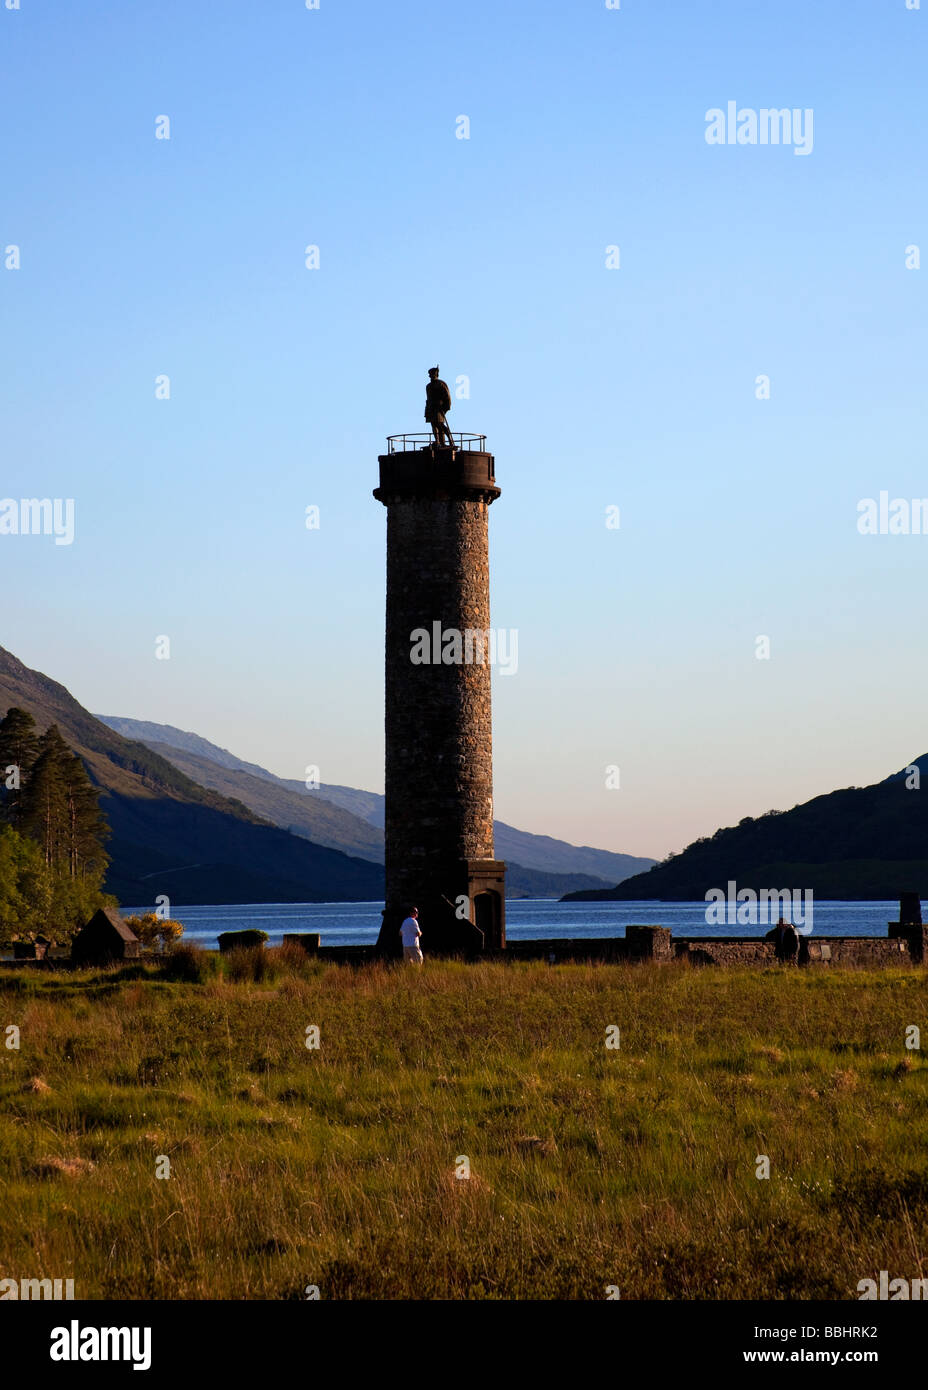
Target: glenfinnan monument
{"points": [[439, 741]]}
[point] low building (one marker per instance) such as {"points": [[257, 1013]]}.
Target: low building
{"points": [[36, 949], [105, 938]]}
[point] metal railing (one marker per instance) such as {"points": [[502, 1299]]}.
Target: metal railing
{"points": [[410, 443]]}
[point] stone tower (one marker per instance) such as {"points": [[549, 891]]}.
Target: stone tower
{"points": [[438, 724]]}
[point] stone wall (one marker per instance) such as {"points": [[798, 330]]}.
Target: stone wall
{"points": [[658, 944], [554, 950], [724, 950], [854, 950]]}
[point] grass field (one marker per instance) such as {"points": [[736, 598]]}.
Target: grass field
{"points": [[589, 1167]]}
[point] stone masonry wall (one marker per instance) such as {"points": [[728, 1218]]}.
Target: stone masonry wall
{"points": [[439, 766], [843, 951], [727, 951], [851, 950]]}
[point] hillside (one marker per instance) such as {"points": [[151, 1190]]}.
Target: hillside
{"points": [[857, 843], [173, 836], [292, 807], [287, 802], [202, 831], [289, 805]]}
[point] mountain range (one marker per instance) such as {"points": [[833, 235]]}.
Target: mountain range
{"points": [[857, 843], [192, 820], [351, 820], [171, 835], [202, 826]]}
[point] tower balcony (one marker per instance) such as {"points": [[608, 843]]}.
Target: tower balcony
{"points": [[414, 467]]}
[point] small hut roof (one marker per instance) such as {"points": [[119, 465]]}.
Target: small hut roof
{"points": [[116, 922]]}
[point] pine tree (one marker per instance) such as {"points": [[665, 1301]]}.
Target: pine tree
{"points": [[73, 828], [45, 798], [60, 813], [19, 748], [87, 827]]}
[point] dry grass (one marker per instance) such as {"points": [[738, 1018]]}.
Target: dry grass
{"points": [[588, 1167]]}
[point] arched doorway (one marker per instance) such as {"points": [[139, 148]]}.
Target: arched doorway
{"points": [[487, 919]]}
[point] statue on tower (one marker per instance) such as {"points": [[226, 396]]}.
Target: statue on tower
{"points": [[437, 402]]}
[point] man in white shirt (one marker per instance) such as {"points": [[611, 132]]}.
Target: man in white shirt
{"points": [[410, 933]]}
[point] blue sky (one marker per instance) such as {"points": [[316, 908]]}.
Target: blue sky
{"points": [[632, 387]]}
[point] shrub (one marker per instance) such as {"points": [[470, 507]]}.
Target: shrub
{"points": [[155, 933], [239, 940], [290, 957], [248, 963], [189, 963]]}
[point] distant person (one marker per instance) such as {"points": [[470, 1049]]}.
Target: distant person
{"points": [[411, 934], [785, 939]]}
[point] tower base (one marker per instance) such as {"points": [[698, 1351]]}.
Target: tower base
{"points": [[466, 916]]}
